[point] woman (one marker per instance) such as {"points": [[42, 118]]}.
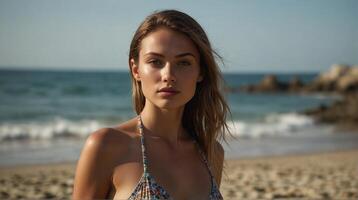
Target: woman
{"points": [[170, 150]]}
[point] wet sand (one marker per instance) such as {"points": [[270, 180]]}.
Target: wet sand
{"points": [[310, 176]]}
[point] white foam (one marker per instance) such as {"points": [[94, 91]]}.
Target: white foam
{"points": [[272, 125], [58, 127]]}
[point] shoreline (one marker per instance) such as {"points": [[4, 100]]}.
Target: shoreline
{"points": [[65, 164], [310, 175]]}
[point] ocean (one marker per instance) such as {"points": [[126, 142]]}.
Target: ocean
{"points": [[45, 116]]}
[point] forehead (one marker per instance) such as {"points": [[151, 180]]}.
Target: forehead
{"points": [[167, 42]]}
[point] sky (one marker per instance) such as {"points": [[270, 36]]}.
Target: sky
{"points": [[251, 35]]}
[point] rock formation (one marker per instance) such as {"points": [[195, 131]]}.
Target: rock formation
{"points": [[268, 84], [343, 113], [339, 79]]}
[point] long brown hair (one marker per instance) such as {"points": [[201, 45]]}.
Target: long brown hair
{"points": [[206, 113]]}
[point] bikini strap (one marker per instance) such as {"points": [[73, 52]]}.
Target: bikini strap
{"points": [[145, 160], [203, 157], [144, 156]]}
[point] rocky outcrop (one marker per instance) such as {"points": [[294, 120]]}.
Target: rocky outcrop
{"points": [[349, 82], [339, 79], [295, 84], [343, 113], [268, 84]]}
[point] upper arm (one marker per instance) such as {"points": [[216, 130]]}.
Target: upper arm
{"points": [[94, 168], [219, 163]]}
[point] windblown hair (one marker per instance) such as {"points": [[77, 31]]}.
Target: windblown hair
{"points": [[205, 114]]}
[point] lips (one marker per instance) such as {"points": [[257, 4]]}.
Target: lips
{"points": [[168, 91]]}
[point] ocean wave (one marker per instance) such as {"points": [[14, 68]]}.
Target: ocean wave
{"points": [[272, 125], [285, 124], [59, 127]]}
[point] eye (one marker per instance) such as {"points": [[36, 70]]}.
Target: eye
{"points": [[184, 63], [155, 62]]}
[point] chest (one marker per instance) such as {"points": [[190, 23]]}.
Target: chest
{"points": [[183, 175]]}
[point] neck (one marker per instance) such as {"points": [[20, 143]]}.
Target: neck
{"points": [[165, 124]]}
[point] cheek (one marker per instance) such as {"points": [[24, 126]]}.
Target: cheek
{"points": [[190, 82], [148, 72], [148, 79]]}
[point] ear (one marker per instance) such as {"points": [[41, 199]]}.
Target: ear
{"points": [[134, 70]]}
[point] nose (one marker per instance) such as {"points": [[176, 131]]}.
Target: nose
{"points": [[168, 73]]}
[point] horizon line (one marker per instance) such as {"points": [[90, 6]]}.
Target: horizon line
{"points": [[66, 69]]}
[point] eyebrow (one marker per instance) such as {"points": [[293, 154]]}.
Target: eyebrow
{"points": [[177, 56]]}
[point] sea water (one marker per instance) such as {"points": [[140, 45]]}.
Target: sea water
{"points": [[45, 116]]}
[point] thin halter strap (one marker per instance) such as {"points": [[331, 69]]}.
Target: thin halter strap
{"points": [[203, 158], [144, 156]]}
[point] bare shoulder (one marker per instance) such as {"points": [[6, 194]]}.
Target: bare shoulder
{"points": [[102, 138], [105, 139], [116, 139], [102, 151]]}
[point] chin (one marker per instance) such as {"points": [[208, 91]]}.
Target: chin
{"points": [[170, 105]]}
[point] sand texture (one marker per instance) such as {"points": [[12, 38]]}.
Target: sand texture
{"points": [[318, 176]]}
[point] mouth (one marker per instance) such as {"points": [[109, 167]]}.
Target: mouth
{"points": [[168, 92]]}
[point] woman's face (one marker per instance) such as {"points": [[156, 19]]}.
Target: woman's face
{"points": [[168, 60]]}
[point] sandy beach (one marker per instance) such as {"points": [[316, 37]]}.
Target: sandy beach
{"points": [[314, 176]]}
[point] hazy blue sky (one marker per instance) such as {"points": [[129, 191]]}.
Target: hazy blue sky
{"points": [[267, 35]]}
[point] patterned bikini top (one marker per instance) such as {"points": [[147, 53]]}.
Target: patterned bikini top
{"points": [[149, 189]]}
